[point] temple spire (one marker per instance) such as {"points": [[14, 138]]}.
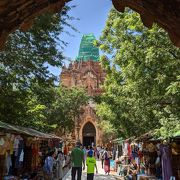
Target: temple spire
{"points": [[87, 50]]}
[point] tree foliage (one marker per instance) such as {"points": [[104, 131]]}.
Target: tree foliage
{"points": [[142, 86], [108, 131], [67, 107], [28, 95]]}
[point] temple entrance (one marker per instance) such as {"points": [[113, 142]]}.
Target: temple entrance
{"points": [[89, 134], [87, 141]]}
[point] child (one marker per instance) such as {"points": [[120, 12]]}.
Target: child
{"points": [[91, 164]]}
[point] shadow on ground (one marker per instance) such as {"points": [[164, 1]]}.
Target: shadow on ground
{"points": [[96, 177], [103, 177]]}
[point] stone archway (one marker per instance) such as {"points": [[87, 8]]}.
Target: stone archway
{"points": [[88, 134], [21, 13]]}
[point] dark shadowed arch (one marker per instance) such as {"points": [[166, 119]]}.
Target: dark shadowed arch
{"points": [[89, 134], [21, 13]]}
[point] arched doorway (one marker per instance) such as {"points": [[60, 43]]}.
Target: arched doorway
{"points": [[89, 134]]}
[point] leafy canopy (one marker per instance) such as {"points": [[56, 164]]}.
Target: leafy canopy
{"points": [[142, 88], [67, 107], [28, 95]]}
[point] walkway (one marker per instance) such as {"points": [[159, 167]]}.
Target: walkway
{"points": [[100, 176]]}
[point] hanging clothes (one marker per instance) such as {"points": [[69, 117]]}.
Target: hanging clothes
{"points": [[166, 162], [18, 162], [65, 150], [129, 149], [8, 162], [125, 148]]}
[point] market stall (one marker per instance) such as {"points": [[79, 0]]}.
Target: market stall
{"points": [[148, 157], [175, 149], [23, 150]]}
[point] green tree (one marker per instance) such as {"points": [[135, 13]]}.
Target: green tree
{"points": [[142, 83], [67, 107], [26, 85], [109, 132]]}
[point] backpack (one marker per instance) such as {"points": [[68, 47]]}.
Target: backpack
{"points": [[106, 155]]}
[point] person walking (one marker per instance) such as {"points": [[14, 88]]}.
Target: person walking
{"points": [[77, 158], [91, 150], [48, 166], [85, 153], [59, 161], [106, 161], [95, 152], [91, 164], [102, 156]]}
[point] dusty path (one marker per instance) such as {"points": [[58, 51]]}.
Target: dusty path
{"points": [[100, 176]]}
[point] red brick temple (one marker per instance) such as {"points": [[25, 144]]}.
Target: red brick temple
{"points": [[86, 72]]}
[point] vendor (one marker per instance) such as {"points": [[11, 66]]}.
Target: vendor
{"points": [[133, 169]]}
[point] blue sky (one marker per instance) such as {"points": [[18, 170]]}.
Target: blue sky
{"points": [[93, 15]]}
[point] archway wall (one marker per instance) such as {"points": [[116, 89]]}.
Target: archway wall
{"points": [[20, 14], [163, 12], [98, 132]]}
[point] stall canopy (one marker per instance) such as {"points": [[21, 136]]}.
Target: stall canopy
{"points": [[7, 128], [121, 140], [149, 136]]}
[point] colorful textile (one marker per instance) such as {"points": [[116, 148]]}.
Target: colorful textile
{"points": [[8, 162], [65, 150], [129, 149], [166, 162], [18, 163]]}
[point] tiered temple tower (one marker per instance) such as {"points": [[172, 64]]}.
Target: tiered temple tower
{"points": [[86, 72]]}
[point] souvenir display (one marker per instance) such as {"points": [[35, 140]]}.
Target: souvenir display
{"points": [[149, 159], [24, 155]]}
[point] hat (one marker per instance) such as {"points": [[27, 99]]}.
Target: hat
{"points": [[90, 153]]}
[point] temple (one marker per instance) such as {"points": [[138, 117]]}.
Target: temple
{"points": [[86, 72]]}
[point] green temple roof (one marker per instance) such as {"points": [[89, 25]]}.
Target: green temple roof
{"points": [[87, 50]]}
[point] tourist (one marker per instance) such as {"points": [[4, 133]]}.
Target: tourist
{"points": [[85, 152], [101, 156], [95, 152], [98, 152], [91, 150], [48, 166], [60, 160], [106, 161], [77, 158], [91, 164], [133, 169]]}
